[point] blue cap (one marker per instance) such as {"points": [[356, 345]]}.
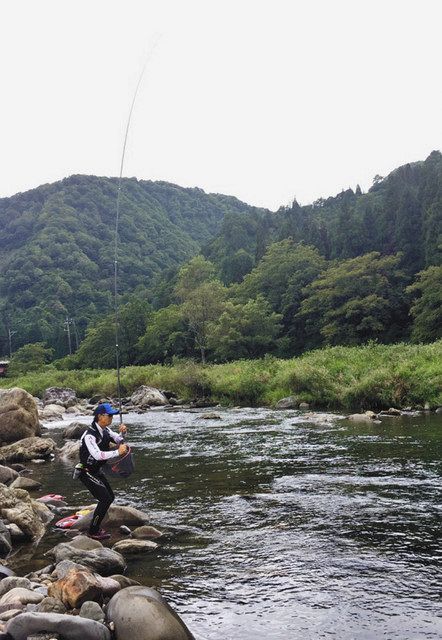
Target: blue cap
{"points": [[107, 408]]}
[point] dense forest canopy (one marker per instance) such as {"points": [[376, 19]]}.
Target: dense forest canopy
{"points": [[344, 270]]}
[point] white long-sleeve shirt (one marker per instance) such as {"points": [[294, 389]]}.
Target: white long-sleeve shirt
{"points": [[92, 446]]}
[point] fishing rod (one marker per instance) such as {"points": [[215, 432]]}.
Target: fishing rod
{"points": [[117, 221]]}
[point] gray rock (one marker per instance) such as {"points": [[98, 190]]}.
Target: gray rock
{"points": [[26, 483], [72, 627], [92, 611], [17, 507], [103, 561], [11, 613], [51, 605], [5, 572], [360, 417], [439, 410], [63, 568], [27, 449], [131, 547], [23, 595], [304, 406], [70, 451], [74, 431], [146, 396], [124, 581], [7, 475], [138, 611], [115, 517], [287, 403], [18, 415], [211, 416], [63, 395], [85, 543], [12, 582], [145, 532], [51, 412]]}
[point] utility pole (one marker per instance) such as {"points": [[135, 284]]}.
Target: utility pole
{"points": [[67, 323], [10, 334], [75, 333]]}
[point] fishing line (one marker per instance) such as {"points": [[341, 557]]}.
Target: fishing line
{"points": [[117, 221]]}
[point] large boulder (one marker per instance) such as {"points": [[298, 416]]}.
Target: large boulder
{"points": [[18, 508], [61, 395], [28, 449], [116, 516], [22, 482], [103, 561], [140, 613], [18, 415], [146, 396], [74, 431], [72, 627]]}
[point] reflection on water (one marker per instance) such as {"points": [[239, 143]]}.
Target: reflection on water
{"points": [[286, 525]]}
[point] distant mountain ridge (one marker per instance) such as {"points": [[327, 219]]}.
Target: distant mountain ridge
{"points": [[56, 244]]}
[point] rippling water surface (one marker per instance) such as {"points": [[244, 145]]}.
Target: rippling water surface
{"points": [[288, 525]]}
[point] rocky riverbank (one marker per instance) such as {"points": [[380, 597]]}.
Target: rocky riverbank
{"points": [[82, 593]]}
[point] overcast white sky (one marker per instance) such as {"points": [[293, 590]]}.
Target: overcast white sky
{"points": [[264, 100]]}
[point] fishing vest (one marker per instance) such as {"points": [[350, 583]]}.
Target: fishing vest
{"points": [[103, 443]]}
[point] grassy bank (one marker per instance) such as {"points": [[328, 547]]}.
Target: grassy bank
{"points": [[342, 378]]}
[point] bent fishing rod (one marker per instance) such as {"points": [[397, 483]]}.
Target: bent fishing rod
{"points": [[117, 221]]}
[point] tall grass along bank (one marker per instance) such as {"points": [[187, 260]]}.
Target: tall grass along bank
{"points": [[373, 376]]}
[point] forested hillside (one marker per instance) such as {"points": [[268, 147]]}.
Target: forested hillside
{"points": [[57, 253], [345, 270]]}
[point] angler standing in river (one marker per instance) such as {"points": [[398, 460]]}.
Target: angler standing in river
{"points": [[98, 445]]}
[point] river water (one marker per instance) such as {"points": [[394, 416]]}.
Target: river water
{"points": [[286, 525]]}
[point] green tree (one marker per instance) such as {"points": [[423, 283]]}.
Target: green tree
{"points": [[166, 336], [30, 357], [426, 308], [98, 348], [245, 331], [356, 300], [203, 305]]}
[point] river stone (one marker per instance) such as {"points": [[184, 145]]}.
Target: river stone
{"points": [[145, 531], [146, 396], [51, 605], [11, 613], [64, 395], [124, 581], [210, 416], [72, 627], [85, 543], [304, 406], [63, 568], [78, 586], [5, 572], [116, 516], [140, 613], [23, 595], [17, 507], [26, 483], [287, 403], [18, 415], [12, 582], [92, 611], [74, 431], [52, 412], [129, 547], [7, 475], [103, 561], [27, 449], [70, 451]]}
